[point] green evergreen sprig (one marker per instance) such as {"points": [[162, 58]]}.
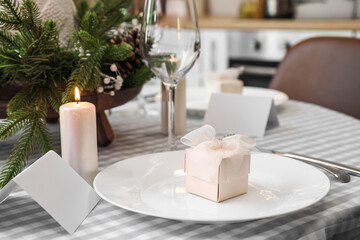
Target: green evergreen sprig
{"points": [[34, 132], [30, 54], [92, 42], [138, 79], [10, 16]]}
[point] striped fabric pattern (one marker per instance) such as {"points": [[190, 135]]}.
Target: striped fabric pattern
{"points": [[304, 128]]}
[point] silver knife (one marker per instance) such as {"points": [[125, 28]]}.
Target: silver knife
{"points": [[349, 169]]}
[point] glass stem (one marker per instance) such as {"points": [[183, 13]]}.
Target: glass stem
{"points": [[170, 89]]}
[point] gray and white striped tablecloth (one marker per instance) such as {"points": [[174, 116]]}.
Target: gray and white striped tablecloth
{"points": [[304, 128]]}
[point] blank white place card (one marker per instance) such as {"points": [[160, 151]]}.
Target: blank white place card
{"points": [[57, 188], [239, 114]]}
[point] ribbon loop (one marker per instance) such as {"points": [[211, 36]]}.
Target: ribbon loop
{"points": [[207, 153], [194, 138]]}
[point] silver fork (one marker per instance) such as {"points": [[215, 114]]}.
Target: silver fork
{"points": [[339, 174]]}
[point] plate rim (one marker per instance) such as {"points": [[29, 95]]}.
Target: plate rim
{"points": [[320, 197]]}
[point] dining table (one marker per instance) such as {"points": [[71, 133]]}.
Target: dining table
{"points": [[304, 128]]}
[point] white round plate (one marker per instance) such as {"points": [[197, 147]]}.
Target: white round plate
{"points": [[155, 185], [278, 96]]}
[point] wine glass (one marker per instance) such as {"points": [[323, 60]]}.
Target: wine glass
{"points": [[170, 45]]}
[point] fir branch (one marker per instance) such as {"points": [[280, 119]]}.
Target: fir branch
{"points": [[11, 7], [10, 55], [113, 7], [118, 52], [30, 13], [35, 97], [90, 70], [32, 56], [49, 39], [90, 23], [67, 61], [82, 8], [110, 13], [109, 23], [7, 22], [3, 80], [29, 95], [68, 94], [54, 98], [13, 124], [37, 57], [34, 132], [139, 78], [30, 120], [43, 138], [7, 39], [86, 40], [9, 15], [86, 76], [15, 162], [25, 38]]}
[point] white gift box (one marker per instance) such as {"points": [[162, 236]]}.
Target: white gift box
{"points": [[217, 169], [226, 82]]}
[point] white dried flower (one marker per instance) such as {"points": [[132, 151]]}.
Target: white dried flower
{"points": [[119, 79], [100, 89], [113, 67], [118, 86], [112, 93], [134, 22], [106, 80]]}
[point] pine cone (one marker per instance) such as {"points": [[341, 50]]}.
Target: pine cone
{"points": [[130, 65]]}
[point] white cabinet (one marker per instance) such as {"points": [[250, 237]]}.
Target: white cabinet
{"points": [[214, 55]]}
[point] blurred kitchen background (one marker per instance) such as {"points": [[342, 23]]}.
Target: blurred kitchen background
{"points": [[257, 33]]}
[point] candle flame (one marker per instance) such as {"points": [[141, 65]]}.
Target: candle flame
{"points": [[77, 94], [178, 27]]}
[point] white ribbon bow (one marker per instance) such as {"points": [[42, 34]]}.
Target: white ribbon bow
{"points": [[208, 152]]}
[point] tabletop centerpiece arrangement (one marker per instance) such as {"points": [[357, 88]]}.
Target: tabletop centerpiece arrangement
{"points": [[101, 57]]}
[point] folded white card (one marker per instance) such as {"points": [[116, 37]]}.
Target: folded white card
{"points": [[57, 188], [239, 114]]}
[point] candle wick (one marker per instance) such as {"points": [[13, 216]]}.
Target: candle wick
{"points": [[77, 101]]}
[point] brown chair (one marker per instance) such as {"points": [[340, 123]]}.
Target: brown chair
{"points": [[323, 71]]}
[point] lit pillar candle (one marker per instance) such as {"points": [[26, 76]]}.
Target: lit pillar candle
{"points": [[78, 137]]}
